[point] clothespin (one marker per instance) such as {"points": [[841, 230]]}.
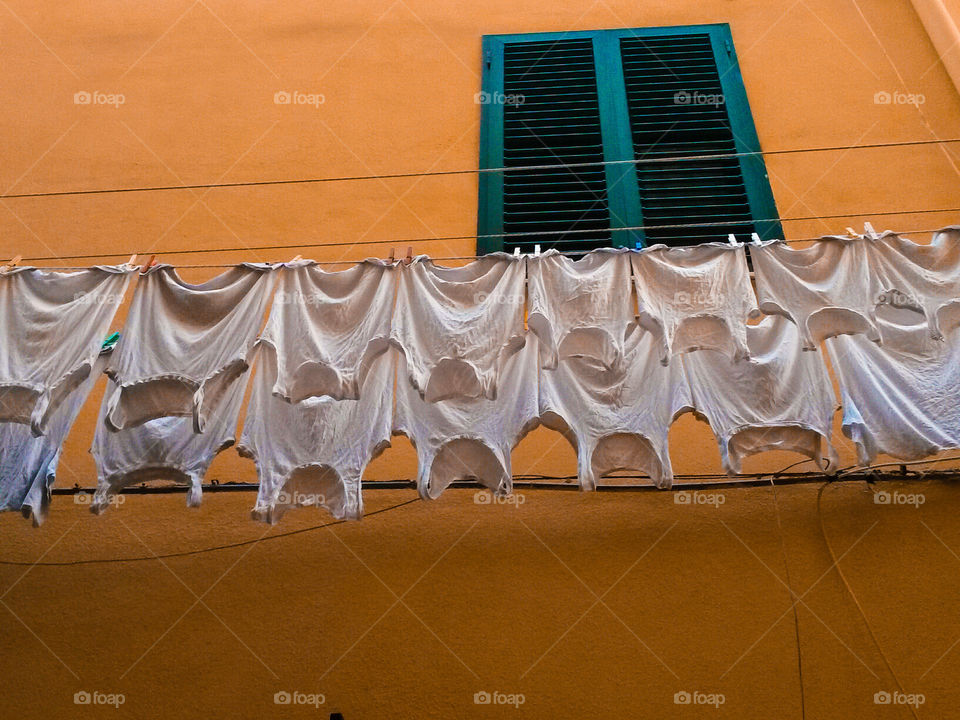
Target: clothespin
{"points": [[12, 264], [297, 258], [516, 251], [869, 231], [148, 264], [109, 342], [852, 232], [132, 261], [732, 239], [392, 256], [755, 239], [536, 251], [409, 258]]}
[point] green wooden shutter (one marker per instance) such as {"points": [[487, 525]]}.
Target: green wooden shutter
{"points": [[678, 108], [620, 96], [551, 116]]}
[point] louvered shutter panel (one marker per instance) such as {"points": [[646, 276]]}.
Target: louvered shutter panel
{"points": [[551, 116], [670, 82]]}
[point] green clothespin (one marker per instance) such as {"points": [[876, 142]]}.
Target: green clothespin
{"points": [[109, 342]]}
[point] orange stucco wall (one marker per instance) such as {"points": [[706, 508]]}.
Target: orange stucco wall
{"points": [[398, 79]]}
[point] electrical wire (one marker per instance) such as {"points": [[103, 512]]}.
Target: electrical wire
{"points": [[477, 171], [846, 584], [793, 599], [187, 553]]}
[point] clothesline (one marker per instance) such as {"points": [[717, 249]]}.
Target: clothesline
{"points": [[690, 481], [409, 241], [477, 171]]}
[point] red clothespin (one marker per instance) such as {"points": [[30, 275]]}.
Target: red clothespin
{"points": [[12, 264], [393, 255], [148, 264], [409, 258]]}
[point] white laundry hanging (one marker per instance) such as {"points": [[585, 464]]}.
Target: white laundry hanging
{"points": [[184, 345], [458, 326], [581, 308], [28, 463], [827, 289], [923, 278], [164, 448], [52, 324], [899, 398], [781, 400], [314, 452], [328, 328], [617, 421], [471, 438], [695, 297]]}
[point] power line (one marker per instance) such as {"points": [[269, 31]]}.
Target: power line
{"points": [[473, 171]]}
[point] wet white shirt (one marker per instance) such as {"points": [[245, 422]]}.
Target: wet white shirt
{"points": [[458, 326], [614, 421], [581, 308], [184, 345], [51, 327], [695, 298], [328, 328], [314, 452], [782, 399], [471, 438]]}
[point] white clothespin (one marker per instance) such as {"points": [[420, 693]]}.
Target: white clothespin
{"points": [[869, 231], [297, 258], [852, 232], [536, 251], [755, 239], [516, 252], [732, 239]]}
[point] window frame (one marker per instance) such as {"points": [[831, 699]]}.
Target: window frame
{"points": [[623, 196]]}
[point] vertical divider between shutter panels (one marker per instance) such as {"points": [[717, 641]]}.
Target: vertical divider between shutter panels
{"points": [[623, 193], [490, 184], [746, 140]]}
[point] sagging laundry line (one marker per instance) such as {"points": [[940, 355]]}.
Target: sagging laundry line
{"points": [[470, 416], [682, 482], [405, 241]]}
